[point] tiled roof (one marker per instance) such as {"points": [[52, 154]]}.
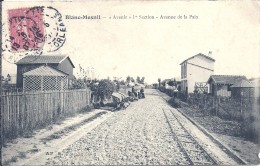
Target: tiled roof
{"points": [[200, 54], [45, 71], [226, 79], [43, 59], [242, 84]]}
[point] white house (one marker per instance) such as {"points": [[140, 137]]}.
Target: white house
{"points": [[195, 72]]}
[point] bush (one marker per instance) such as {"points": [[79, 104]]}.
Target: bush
{"points": [[105, 89], [176, 103], [162, 88]]}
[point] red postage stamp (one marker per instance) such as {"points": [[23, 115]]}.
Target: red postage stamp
{"points": [[26, 29], [32, 31]]}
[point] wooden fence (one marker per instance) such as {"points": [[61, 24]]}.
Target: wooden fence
{"points": [[23, 112]]}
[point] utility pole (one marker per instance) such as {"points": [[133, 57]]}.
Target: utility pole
{"points": [[1, 111]]}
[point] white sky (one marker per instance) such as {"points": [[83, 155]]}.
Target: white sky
{"points": [[155, 48]]}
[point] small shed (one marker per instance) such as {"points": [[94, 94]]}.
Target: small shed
{"points": [[61, 62], [45, 78], [241, 89], [220, 85]]}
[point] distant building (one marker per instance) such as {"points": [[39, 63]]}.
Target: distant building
{"points": [[173, 83], [220, 85], [28, 63], [195, 72]]}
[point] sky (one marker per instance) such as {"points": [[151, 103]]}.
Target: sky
{"points": [[154, 48]]}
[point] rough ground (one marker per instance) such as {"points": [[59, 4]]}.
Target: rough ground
{"points": [[149, 132], [228, 132]]}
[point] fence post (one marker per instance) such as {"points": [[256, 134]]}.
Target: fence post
{"points": [[218, 103], [241, 105]]}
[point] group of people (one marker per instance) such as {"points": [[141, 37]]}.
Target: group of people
{"points": [[137, 94]]}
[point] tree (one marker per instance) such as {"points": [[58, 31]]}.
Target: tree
{"points": [[117, 85], [128, 79], [132, 79], [138, 80], [105, 89], [159, 81], [142, 80], [78, 83], [122, 82]]}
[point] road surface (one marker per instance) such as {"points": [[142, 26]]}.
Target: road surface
{"points": [[149, 132]]}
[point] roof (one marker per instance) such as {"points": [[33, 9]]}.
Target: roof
{"points": [[199, 54], [43, 59], [177, 79], [226, 79], [45, 71], [255, 82], [242, 84]]}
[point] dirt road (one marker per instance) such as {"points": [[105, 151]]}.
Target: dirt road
{"points": [[149, 131]]}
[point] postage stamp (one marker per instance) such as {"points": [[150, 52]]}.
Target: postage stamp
{"points": [[26, 29], [32, 32]]}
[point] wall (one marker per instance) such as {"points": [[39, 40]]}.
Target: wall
{"points": [[198, 74], [222, 90], [22, 68], [66, 67], [202, 61]]}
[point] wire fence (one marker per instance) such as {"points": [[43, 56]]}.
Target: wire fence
{"points": [[225, 107]]}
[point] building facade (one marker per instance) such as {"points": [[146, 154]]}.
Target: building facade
{"points": [[195, 72]]}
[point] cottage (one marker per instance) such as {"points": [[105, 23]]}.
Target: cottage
{"points": [[195, 72], [28, 63], [220, 85]]}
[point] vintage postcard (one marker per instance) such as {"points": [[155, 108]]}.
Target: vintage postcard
{"points": [[130, 82]]}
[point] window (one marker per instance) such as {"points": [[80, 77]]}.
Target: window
{"points": [[228, 87]]}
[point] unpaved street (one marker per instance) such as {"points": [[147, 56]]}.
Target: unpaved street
{"points": [[150, 132]]}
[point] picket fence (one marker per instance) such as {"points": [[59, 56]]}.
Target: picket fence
{"points": [[23, 112]]}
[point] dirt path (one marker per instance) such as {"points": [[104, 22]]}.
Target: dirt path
{"points": [[145, 133]]}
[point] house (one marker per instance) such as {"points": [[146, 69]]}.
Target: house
{"points": [[45, 78], [195, 72], [28, 63], [220, 85]]}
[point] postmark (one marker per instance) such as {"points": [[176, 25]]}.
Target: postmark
{"points": [[26, 30], [32, 32]]}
